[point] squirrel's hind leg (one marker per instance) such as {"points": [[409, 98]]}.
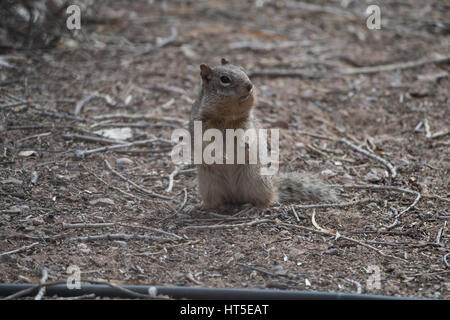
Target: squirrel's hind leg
{"points": [[212, 189]]}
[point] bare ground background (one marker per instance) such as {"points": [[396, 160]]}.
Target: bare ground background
{"points": [[140, 58]]}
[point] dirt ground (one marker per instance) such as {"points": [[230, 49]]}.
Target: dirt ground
{"points": [[140, 59]]}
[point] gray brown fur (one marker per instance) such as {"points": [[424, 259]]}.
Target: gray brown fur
{"points": [[229, 106]]}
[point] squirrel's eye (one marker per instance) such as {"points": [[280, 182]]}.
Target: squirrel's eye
{"points": [[225, 80]]}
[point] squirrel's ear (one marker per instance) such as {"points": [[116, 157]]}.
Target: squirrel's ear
{"points": [[224, 61], [205, 71]]}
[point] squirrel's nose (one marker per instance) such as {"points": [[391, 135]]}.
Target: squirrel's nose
{"points": [[249, 87]]}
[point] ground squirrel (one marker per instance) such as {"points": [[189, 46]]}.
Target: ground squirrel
{"points": [[226, 99]]}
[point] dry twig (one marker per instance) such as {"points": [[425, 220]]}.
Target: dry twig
{"points": [[171, 177], [31, 289], [178, 210], [117, 236], [337, 205], [86, 225], [151, 193], [44, 278], [82, 102], [82, 153], [139, 117], [388, 188], [113, 187], [228, 226], [91, 139], [437, 58], [444, 258], [339, 236], [151, 229], [18, 250], [371, 155]]}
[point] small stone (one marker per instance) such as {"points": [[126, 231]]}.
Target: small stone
{"points": [[68, 177], [372, 176], [83, 248], [91, 190], [121, 243], [117, 133], [27, 153], [332, 251], [29, 228], [34, 177], [8, 258], [188, 51], [347, 176], [101, 202], [12, 210], [124, 162], [79, 154], [328, 172], [37, 221], [12, 180]]}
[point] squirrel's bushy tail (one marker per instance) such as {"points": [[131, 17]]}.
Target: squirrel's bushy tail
{"points": [[294, 186]]}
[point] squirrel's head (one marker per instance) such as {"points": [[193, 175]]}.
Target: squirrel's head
{"points": [[227, 90]]}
